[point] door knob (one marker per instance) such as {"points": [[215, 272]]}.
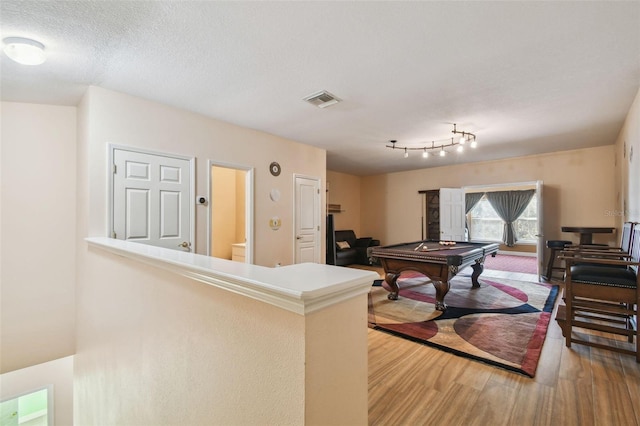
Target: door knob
{"points": [[184, 244], [298, 237]]}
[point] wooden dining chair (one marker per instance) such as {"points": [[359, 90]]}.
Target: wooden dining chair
{"points": [[602, 294]]}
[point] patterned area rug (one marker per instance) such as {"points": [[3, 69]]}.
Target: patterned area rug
{"points": [[510, 263], [503, 323]]}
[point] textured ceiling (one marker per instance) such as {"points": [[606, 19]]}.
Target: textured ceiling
{"points": [[525, 77]]}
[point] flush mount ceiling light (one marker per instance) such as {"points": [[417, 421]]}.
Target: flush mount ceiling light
{"points": [[24, 50], [441, 144]]}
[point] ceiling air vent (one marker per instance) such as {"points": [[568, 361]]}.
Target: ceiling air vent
{"points": [[322, 99]]}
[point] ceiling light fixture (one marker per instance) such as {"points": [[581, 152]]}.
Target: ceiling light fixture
{"points": [[440, 144], [24, 50]]}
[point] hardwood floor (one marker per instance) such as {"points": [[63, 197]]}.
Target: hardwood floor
{"points": [[414, 384]]}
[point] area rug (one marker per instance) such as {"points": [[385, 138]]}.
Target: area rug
{"points": [[511, 263], [503, 323]]}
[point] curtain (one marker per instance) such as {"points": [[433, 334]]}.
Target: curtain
{"points": [[471, 199], [510, 205]]}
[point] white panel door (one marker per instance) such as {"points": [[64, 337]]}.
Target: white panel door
{"points": [[152, 199], [307, 220], [452, 214]]}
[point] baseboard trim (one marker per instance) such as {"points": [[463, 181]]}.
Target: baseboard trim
{"points": [[518, 253]]}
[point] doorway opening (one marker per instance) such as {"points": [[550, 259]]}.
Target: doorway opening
{"points": [[485, 225], [32, 408], [230, 233]]}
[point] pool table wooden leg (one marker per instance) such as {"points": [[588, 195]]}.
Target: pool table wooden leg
{"points": [[390, 284], [478, 267], [442, 288]]}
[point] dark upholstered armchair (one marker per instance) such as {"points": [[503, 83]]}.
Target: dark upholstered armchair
{"points": [[355, 249]]}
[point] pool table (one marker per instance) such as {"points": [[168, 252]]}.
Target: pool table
{"points": [[440, 261]]}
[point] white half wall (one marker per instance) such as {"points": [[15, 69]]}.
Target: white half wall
{"points": [[161, 348]]}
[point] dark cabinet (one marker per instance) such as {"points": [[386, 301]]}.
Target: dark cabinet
{"points": [[432, 214]]}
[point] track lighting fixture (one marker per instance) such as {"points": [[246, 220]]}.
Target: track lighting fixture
{"points": [[440, 144]]}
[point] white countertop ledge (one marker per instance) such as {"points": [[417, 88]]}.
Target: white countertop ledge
{"points": [[302, 288]]}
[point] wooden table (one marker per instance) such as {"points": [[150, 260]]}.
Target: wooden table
{"points": [[430, 258], [586, 232]]}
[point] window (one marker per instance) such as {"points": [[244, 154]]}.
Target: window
{"points": [[526, 226], [486, 225], [484, 222]]}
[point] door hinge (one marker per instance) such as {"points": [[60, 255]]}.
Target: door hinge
{"points": [[113, 234], [115, 169]]}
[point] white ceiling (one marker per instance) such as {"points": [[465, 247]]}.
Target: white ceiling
{"points": [[525, 77]]}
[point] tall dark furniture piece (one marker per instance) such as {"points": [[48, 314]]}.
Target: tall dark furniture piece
{"points": [[432, 215], [331, 241]]}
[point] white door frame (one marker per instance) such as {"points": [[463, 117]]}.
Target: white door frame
{"points": [[249, 206], [540, 243], [541, 240], [192, 184], [318, 243]]}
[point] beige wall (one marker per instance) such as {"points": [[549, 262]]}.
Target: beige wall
{"points": [[578, 190], [344, 189], [628, 167], [127, 120], [38, 202]]}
